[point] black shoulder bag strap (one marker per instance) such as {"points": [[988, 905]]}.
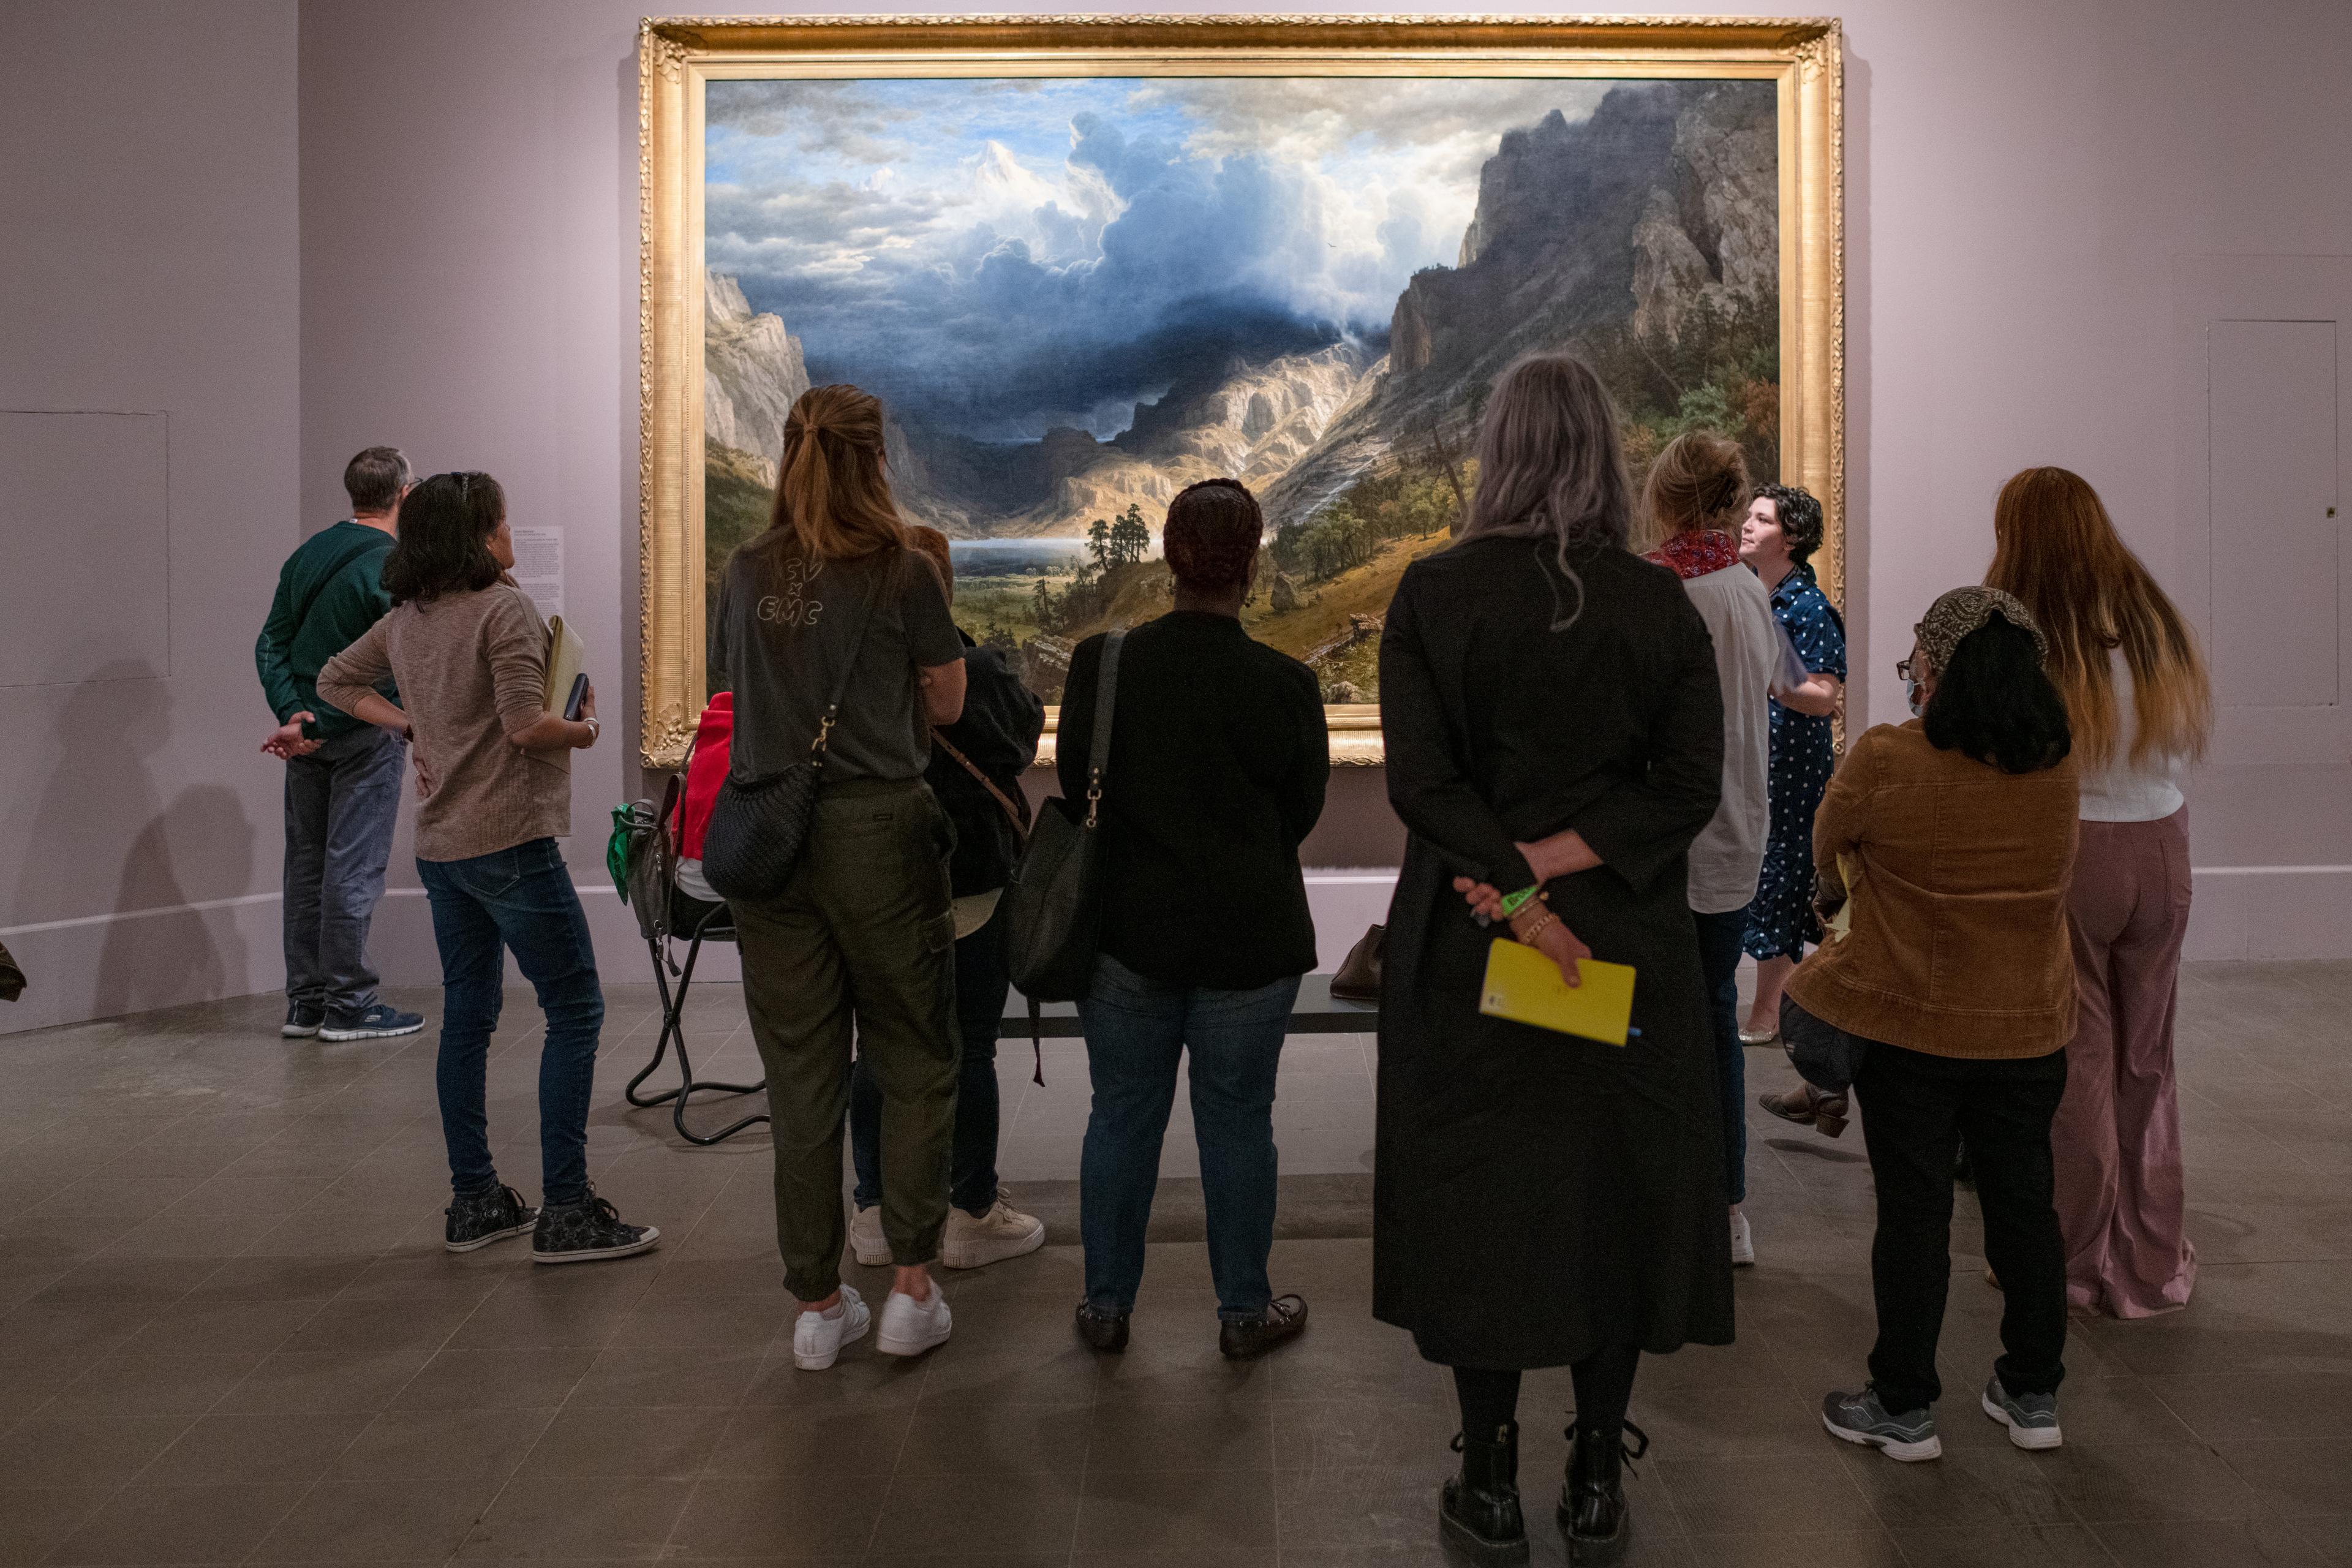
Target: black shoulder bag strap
{"points": [[848, 669], [1098, 765]]}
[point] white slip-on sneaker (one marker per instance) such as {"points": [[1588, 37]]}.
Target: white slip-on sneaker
{"points": [[975, 1241], [866, 1242], [910, 1327], [817, 1337], [1743, 1244]]}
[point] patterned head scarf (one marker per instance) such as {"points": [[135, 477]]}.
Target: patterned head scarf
{"points": [[1962, 610]]}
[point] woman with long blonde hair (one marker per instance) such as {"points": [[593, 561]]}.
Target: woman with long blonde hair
{"points": [[2141, 708], [829, 604]]}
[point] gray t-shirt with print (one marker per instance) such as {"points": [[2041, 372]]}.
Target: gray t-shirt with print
{"points": [[782, 634]]}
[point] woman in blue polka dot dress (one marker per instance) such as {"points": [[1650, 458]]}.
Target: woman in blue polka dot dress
{"points": [[1782, 531]]}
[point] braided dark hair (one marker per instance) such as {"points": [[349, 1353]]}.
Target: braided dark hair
{"points": [[1211, 533]]}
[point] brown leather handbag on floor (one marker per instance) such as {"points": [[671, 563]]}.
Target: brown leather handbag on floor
{"points": [[1359, 979]]}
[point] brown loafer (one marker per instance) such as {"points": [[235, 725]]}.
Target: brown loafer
{"points": [[1103, 1331], [1285, 1319], [1809, 1107]]}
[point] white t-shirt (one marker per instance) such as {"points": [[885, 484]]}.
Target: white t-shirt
{"points": [[2125, 791], [1729, 853]]}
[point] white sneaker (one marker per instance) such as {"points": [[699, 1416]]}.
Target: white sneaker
{"points": [[1002, 1232], [1743, 1244], [817, 1337], [866, 1242], [910, 1327]]}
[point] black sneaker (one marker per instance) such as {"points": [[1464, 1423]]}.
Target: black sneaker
{"points": [[1285, 1319], [586, 1231], [380, 1022], [491, 1216], [302, 1019]]}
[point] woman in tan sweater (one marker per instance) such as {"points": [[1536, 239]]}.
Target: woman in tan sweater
{"points": [[1955, 989], [494, 769]]}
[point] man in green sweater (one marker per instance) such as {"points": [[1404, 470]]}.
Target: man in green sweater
{"points": [[342, 776]]}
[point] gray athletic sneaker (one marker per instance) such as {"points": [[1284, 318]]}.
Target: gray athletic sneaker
{"points": [[2031, 1418], [1860, 1418]]}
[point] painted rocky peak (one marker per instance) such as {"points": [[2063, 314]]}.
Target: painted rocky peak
{"points": [[753, 372]]}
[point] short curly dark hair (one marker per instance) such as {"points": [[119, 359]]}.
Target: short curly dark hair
{"points": [[1801, 517], [1212, 533]]}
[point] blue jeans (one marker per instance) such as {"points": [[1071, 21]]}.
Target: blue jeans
{"points": [[1718, 960], [340, 803], [519, 898], [1137, 1031], [984, 977]]}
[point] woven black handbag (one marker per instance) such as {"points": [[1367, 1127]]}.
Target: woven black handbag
{"points": [[1054, 905], [759, 829]]}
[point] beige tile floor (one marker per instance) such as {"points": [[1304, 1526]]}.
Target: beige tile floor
{"points": [[228, 1335]]}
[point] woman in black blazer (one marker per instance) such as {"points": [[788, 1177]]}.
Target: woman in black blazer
{"points": [[1218, 762]]}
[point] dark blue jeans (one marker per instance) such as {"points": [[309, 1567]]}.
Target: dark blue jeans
{"points": [[1137, 1032], [340, 803], [984, 977], [519, 900], [1718, 960]]}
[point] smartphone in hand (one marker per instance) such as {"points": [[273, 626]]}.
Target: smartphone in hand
{"points": [[579, 694]]}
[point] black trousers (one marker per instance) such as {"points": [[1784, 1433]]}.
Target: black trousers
{"points": [[1914, 1110]]}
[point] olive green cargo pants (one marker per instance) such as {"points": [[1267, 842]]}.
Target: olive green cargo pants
{"points": [[859, 949]]}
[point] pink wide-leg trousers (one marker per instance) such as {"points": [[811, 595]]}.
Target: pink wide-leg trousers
{"points": [[2116, 1142]]}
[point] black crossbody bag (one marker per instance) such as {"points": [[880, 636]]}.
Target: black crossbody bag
{"points": [[759, 830], [1054, 904]]}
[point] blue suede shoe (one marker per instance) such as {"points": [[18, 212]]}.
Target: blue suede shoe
{"points": [[380, 1022]]}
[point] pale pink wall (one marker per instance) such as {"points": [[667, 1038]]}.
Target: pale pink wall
{"points": [[149, 264], [2020, 176]]}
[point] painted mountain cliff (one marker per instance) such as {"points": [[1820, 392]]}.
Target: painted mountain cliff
{"points": [[1076, 298]]}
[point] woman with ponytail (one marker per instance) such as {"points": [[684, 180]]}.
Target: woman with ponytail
{"points": [[859, 943], [2141, 708], [1555, 745]]}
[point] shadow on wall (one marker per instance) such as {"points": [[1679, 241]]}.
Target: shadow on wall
{"points": [[102, 784], [201, 840]]}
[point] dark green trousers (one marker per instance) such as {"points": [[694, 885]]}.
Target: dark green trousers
{"points": [[858, 950]]}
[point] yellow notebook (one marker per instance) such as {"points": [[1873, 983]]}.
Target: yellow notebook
{"points": [[566, 654], [1841, 924], [1525, 986]]}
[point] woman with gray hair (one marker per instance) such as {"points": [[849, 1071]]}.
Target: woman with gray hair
{"points": [[1554, 724]]}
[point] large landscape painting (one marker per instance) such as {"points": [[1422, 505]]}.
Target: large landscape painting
{"points": [[1077, 295]]}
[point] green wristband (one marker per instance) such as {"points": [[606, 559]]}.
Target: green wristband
{"points": [[1513, 902]]}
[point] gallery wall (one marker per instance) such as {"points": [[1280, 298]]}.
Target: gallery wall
{"points": [[297, 230], [149, 435]]}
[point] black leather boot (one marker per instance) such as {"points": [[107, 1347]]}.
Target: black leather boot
{"points": [[1479, 1510], [1592, 1512]]}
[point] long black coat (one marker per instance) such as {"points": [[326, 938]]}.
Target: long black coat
{"points": [[1537, 1197]]}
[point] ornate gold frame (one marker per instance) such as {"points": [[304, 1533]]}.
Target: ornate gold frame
{"points": [[677, 55]]}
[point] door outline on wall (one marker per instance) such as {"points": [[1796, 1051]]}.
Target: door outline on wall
{"points": [[2210, 291]]}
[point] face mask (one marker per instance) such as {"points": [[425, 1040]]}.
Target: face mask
{"points": [[1911, 695]]}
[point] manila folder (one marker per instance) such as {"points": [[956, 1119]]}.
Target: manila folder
{"points": [[1525, 986], [566, 656]]}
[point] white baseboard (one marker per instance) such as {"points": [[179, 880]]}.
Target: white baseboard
{"points": [[103, 966], [2271, 912]]}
